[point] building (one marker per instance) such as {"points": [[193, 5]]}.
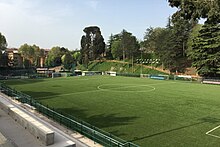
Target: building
{"points": [[3, 59], [44, 57], [14, 58]]}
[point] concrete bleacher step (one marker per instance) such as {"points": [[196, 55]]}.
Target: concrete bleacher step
{"points": [[36, 127]]}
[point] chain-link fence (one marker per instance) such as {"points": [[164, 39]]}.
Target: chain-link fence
{"points": [[97, 135]]}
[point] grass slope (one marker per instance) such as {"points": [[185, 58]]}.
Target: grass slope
{"points": [[120, 67], [144, 111]]}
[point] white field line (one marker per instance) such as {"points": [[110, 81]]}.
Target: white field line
{"points": [[133, 85], [133, 105], [124, 86], [75, 78], [209, 132], [67, 94], [94, 91]]}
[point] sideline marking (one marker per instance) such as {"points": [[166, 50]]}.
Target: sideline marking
{"points": [[67, 94], [147, 85], [97, 90]]}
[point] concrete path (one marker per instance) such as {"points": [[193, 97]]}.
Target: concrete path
{"points": [[15, 134]]}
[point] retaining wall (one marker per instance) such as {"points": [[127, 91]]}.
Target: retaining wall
{"points": [[39, 130]]}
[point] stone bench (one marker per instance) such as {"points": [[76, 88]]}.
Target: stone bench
{"points": [[39, 130]]}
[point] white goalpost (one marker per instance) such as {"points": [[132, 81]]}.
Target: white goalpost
{"points": [[183, 77], [157, 77]]}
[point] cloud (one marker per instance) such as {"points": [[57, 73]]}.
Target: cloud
{"points": [[39, 12], [40, 22], [93, 4]]}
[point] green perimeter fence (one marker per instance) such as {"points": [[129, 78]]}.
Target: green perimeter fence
{"points": [[94, 133]]}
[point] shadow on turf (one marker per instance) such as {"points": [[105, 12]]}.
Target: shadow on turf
{"points": [[110, 120], [22, 81], [101, 121], [201, 121], [41, 95]]}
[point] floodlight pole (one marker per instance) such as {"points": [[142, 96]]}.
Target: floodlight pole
{"points": [[141, 61]]}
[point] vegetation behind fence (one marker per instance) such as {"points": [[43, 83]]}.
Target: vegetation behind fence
{"points": [[97, 135]]}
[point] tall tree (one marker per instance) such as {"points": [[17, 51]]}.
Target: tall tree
{"points": [[124, 45], [192, 36], [67, 60], [170, 44], [164, 45], [196, 9], [3, 45], [116, 50], [76, 56], [150, 39], [28, 54], [109, 47], [36, 57], [181, 30], [205, 51], [54, 56], [92, 44], [205, 47]]}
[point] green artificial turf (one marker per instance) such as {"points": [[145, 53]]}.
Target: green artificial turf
{"points": [[144, 111]]}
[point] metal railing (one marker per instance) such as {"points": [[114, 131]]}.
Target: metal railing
{"points": [[94, 133]]}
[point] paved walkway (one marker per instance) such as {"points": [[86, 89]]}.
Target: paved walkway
{"points": [[16, 136]]}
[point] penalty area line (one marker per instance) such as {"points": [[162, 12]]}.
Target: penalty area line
{"points": [[209, 132]]}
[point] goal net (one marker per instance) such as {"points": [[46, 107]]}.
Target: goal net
{"points": [[111, 73], [211, 81], [91, 73], [183, 77], [144, 75], [157, 77], [160, 77], [58, 74]]}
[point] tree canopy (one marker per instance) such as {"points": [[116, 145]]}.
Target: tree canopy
{"points": [[196, 9], [3, 43], [205, 51], [124, 45], [54, 56], [92, 44], [170, 43], [30, 54], [67, 60], [203, 44]]}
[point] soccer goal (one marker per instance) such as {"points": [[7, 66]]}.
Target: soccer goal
{"points": [[58, 74], [157, 77], [91, 73], [183, 77], [144, 75], [111, 73], [211, 81]]}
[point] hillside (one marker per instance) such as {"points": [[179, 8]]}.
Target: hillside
{"points": [[121, 67]]}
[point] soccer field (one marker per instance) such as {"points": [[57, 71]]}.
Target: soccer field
{"points": [[144, 111]]}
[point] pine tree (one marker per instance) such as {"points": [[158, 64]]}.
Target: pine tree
{"points": [[206, 50]]}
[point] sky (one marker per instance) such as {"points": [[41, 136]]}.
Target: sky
{"points": [[49, 23]]}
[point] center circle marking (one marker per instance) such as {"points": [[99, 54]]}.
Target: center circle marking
{"points": [[125, 88]]}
